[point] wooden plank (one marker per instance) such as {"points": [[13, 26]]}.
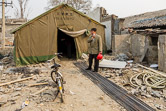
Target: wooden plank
{"points": [[38, 84], [40, 91], [19, 80], [155, 71]]}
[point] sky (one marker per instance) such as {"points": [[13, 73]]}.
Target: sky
{"points": [[121, 8]]}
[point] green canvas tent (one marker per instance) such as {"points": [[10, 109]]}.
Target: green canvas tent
{"points": [[37, 40]]}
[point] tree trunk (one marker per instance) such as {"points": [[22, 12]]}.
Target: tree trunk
{"points": [[22, 13]]}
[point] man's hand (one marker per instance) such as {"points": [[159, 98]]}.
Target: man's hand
{"points": [[93, 37]]}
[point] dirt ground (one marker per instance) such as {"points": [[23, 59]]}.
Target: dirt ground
{"points": [[80, 93]]}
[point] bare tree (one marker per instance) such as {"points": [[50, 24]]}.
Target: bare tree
{"points": [[22, 11], [81, 5]]}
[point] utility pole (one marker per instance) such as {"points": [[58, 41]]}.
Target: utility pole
{"points": [[3, 21], [3, 24]]}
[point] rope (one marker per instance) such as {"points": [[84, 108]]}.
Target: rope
{"points": [[150, 79]]}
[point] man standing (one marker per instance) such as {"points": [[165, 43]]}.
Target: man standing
{"points": [[94, 48]]}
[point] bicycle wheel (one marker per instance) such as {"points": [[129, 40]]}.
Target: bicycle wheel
{"points": [[62, 100], [61, 89], [54, 75]]}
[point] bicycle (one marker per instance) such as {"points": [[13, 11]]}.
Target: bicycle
{"points": [[57, 78]]}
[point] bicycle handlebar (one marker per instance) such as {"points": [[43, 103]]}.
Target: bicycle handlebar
{"points": [[59, 54], [56, 54]]}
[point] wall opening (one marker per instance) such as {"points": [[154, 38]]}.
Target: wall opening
{"points": [[151, 56], [153, 40], [66, 45]]}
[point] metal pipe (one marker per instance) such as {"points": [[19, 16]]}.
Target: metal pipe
{"points": [[129, 102]]}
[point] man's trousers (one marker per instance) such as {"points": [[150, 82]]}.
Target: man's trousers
{"points": [[96, 65]]}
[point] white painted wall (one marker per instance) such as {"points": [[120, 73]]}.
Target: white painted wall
{"points": [[108, 34], [95, 14]]}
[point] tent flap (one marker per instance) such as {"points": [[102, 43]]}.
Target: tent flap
{"points": [[74, 33]]}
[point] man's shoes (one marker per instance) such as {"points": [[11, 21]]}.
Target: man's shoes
{"points": [[88, 69], [95, 71]]}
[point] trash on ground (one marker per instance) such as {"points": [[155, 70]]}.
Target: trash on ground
{"points": [[72, 93], [84, 56], [154, 66], [24, 104], [121, 57]]}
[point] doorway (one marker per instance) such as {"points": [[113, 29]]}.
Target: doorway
{"points": [[66, 45]]}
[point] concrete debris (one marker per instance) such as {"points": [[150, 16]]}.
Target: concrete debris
{"points": [[1, 71], [143, 94], [3, 99], [101, 97], [47, 96], [112, 64], [18, 89], [143, 88], [156, 93], [138, 80], [164, 93], [15, 94], [121, 57], [6, 60], [109, 57], [85, 56], [23, 70], [1, 56], [148, 95], [159, 106], [134, 91], [108, 76], [118, 73], [1, 68], [149, 90]]}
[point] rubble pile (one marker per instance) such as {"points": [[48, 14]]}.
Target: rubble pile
{"points": [[33, 83], [14, 84], [146, 83]]}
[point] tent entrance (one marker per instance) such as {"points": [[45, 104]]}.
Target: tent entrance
{"points": [[66, 45]]}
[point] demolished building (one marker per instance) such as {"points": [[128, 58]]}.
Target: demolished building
{"points": [[61, 29], [11, 24], [143, 36], [101, 15]]}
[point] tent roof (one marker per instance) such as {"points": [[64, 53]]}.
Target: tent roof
{"points": [[49, 11]]}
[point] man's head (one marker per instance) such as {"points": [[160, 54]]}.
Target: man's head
{"points": [[93, 31]]}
